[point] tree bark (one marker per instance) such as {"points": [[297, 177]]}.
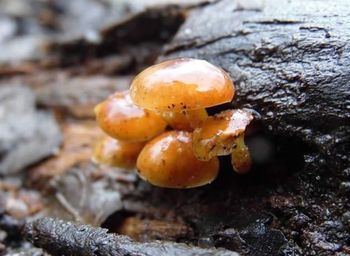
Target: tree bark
{"points": [[289, 61]]}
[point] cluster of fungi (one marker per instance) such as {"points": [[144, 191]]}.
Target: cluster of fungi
{"points": [[161, 125]]}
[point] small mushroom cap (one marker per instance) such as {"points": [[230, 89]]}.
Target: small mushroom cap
{"points": [[216, 136], [185, 120], [109, 151], [168, 161], [181, 84], [121, 119]]}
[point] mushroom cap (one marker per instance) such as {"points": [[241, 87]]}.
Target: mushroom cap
{"points": [[217, 135], [168, 161], [121, 119], [181, 84], [109, 151]]}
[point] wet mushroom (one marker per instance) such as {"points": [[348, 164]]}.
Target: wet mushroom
{"points": [[121, 119], [115, 153], [223, 134], [181, 89], [168, 161]]}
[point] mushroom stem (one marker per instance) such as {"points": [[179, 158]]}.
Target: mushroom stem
{"points": [[186, 120], [240, 156]]}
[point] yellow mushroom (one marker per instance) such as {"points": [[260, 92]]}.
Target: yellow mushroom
{"points": [[223, 134], [240, 157], [168, 161]]}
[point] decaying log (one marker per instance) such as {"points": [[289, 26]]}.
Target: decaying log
{"points": [[66, 238], [289, 61]]}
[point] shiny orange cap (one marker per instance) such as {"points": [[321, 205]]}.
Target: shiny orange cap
{"points": [[181, 84], [109, 151], [121, 119], [168, 161]]}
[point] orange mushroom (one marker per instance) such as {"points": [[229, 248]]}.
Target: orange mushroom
{"points": [[117, 153], [168, 161], [223, 134], [121, 119], [181, 84]]}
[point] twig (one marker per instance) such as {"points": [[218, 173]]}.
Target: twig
{"points": [[59, 237]]}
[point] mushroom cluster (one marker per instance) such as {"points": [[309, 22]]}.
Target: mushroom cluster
{"points": [[161, 125]]}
